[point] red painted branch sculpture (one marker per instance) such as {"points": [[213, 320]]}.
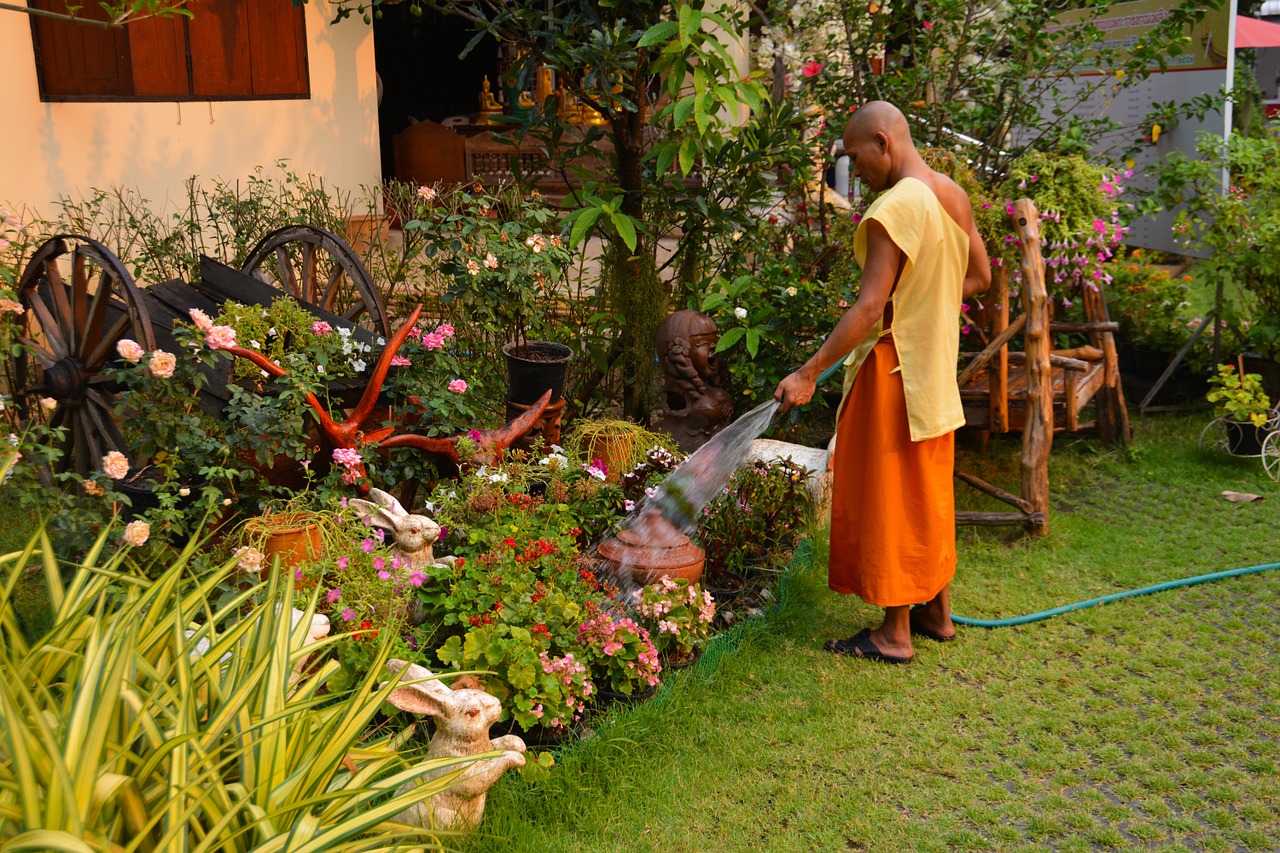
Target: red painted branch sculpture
{"points": [[348, 433]]}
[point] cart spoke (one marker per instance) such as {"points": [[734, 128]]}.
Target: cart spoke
{"points": [[97, 314], [79, 294], [354, 311], [309, 273], [288, 278], [60, 302], [48, 325], [46, 358], [99, 354], [81, 446], [101, 407], [331, 289]]}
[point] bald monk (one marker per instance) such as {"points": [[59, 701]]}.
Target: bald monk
{"points": [[893, 540]]}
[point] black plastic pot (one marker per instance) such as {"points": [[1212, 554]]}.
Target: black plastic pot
{"points": [[534, 367]]}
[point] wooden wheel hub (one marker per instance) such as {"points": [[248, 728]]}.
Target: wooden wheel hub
{"points": [[67, 380]]}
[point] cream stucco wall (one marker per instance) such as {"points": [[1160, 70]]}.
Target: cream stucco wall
{"points": [[53, 149]]}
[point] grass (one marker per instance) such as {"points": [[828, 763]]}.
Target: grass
{"points": [[1149, 722]]}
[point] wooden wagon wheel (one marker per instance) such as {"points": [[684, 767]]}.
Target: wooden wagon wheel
{"points": [[317, 267], [80, 302]]}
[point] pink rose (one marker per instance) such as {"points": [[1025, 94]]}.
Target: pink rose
{"points": [[444, 330], [129, 350], [136, 533], [400, 361], [115, 465], [163, 364], [201, 319], [435, 340], [220, 337], [458, 386]]}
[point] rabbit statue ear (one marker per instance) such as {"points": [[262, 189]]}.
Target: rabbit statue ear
{"points": [[388, 502], [431, 697], [378, 516]]}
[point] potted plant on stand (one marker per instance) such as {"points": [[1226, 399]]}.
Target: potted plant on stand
{"points": [[1245, 409]]}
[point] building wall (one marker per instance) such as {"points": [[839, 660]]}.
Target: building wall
{"points": [[53, 149]]}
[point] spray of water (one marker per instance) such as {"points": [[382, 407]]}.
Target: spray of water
{"points": [[664, 519]]}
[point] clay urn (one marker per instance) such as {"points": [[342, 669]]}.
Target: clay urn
{"points": [[651, 549]]}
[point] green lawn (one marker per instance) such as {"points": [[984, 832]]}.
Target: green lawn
{"points": [[1150, 722]]}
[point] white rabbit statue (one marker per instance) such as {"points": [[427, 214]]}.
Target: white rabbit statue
{"points": [[414, 533], [463, 718]]}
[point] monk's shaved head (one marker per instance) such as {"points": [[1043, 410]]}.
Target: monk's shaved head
{"points": [[878, 116]]}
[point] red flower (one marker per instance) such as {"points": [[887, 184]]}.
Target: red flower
{"points": [[509, 542], [541, 629], [812, 69], [927, 26]]}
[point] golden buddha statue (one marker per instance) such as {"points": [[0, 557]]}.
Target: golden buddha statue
{"points": [[489, 106]]}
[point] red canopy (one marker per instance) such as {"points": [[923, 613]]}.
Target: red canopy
{"points": [[1250, 32]]}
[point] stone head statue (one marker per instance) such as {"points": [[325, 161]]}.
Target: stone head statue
{"points": [[694, 406]]}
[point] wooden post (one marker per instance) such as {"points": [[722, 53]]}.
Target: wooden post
{"points": [[1113, 416], [1037, 433], [998, 373]]}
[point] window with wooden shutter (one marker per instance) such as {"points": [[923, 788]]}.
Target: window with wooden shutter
{"points": [[228, 49]]}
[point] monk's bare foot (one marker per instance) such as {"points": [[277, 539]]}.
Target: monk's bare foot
{"points": [[895, 644]]}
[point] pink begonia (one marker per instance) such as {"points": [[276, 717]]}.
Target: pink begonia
{"points": [[220, 337], [333, 595], [136, 533], [320, 327], [433, 341], [348, 457], [400, 361], [115, 465], [129, 350], [458, 386], [163, 364], [201, 319]]}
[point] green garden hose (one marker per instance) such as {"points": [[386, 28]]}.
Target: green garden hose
{"points": [[1092, 602], [1115, 596]]}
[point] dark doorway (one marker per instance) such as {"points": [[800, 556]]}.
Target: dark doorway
{"points": [[422, 76]]}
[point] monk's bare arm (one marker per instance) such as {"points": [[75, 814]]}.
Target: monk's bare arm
{"points": [[884, 259], [977, 275]]}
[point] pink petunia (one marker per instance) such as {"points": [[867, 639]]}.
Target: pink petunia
{"points": [[333, 595], [368, 545], [342, 562], [348, 615]]}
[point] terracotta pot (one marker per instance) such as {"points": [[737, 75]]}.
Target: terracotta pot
{"points": [[294, 545], [613, 451], [650, 550]]}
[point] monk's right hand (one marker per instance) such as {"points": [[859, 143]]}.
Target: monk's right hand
{"points": [[796, 389]]}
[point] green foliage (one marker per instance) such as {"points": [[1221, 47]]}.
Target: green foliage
{"points": [[1150, 305], [146, 717], [1239, 397], [762, 510], [966, 67], [1240, 228], [1067, 187]]}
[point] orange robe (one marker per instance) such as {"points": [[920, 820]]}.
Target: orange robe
{"points": [[893, 523]]}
